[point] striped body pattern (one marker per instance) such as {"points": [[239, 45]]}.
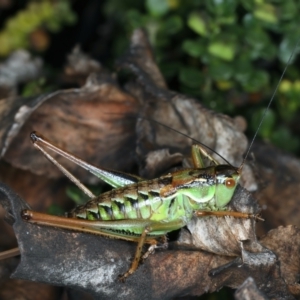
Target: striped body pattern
{"points": [[165, 199], [139, 210]]}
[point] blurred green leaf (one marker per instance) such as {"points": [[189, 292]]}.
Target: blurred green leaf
{"points": [[220, 70], [224, 85], [288, 102], [197, 23], [249, 21], [222, 49], [34, 87], [55, 210], [135, 19], [283, 138], [242, 67], [226, 20], [35, 15], [172, 25], [285, 86], [170, 69], [266, 12], [194, 48], [269, 52], [191, 77], [218, 102], [288, 10], [221, 7], [157, 7], [256, 80], [286, 47], [257, 38], [268, 124], [297, 88], [248, 4], [78, 196]]}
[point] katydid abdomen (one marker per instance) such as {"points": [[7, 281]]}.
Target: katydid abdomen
{"points": [[139, 201]]}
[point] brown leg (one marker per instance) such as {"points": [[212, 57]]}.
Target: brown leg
{"points": [[162, 245], [150, 251], [81, 225], [9, 253], [137, 256], [236, 214]]}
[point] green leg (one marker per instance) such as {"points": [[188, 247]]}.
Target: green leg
{"points": [[198, 153], [114, 178]]}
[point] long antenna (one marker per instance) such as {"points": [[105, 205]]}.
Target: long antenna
{"points": [[185, 135], [256, 132], [268, 106], [177, 131]]}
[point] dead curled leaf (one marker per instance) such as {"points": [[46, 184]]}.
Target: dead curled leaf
{"points": [[77, 119], [70, 119], [248, 290], [277, 175]]}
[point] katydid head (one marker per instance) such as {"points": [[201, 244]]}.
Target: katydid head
{"points": [[215, 184], [227, 179]]}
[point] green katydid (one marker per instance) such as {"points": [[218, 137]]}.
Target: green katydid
{"points": [[144, 211]]}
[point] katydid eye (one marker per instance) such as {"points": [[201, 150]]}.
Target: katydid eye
{"points": [[230, 183]]}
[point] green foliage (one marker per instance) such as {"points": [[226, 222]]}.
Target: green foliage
{"points": [[37, 14], [78, 196], [214, 49], [55, 210], [36, 87], [228, 53]]}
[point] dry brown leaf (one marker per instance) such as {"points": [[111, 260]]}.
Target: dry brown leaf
{"points": [[278, 176], [89, 122]]}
